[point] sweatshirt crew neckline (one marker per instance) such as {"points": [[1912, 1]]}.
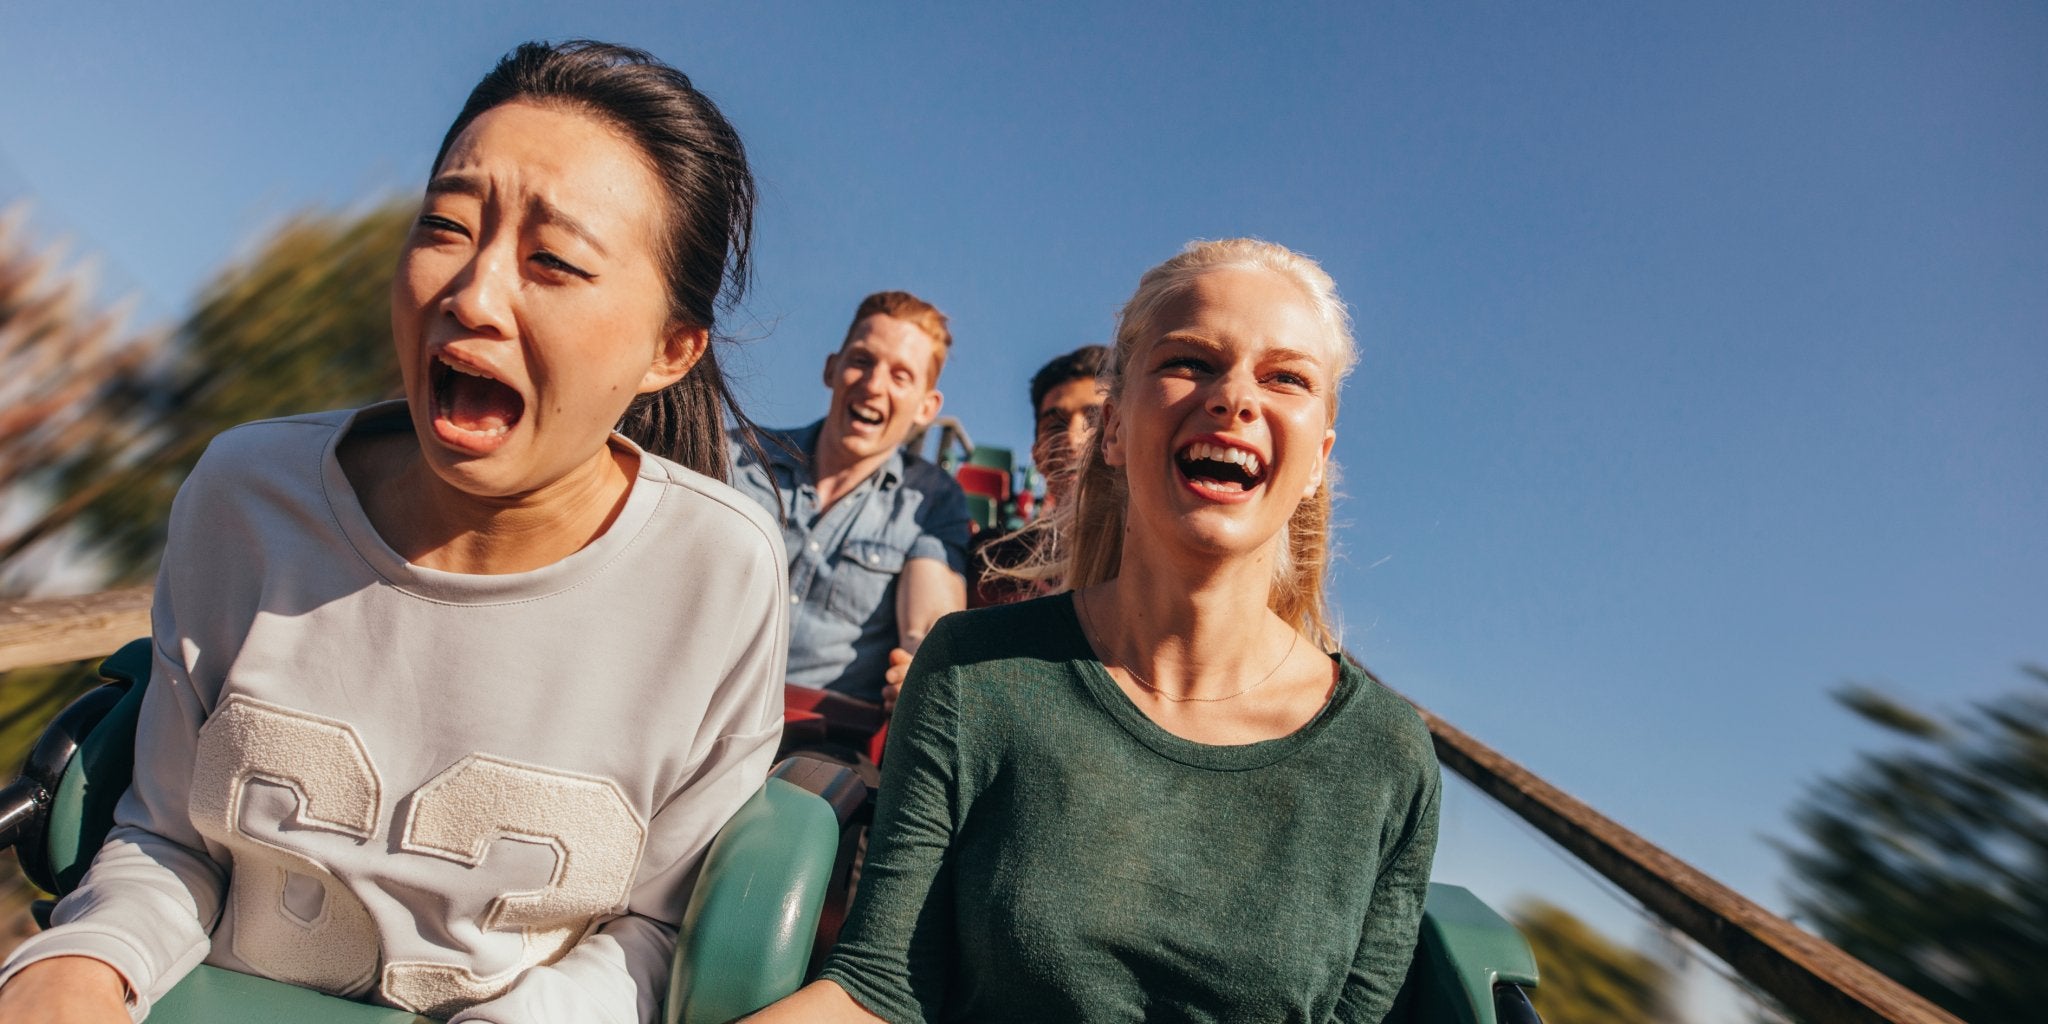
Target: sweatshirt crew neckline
{"points": [[578, 568]]}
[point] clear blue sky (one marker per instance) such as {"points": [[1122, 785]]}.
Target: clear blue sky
{"points": [[1705, 346]]}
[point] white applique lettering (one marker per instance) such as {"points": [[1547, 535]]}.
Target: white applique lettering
{"points": [[457, 815], [292, 920], [295, 922]]}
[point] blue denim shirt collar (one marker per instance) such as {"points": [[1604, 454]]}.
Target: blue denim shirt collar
{"points": [[805, 441]]}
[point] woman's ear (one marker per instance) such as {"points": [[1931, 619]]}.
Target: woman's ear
{"points": [[679, 351], [1112, 434], [1315, 477]]}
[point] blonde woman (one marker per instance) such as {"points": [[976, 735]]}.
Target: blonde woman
{"points": [[1164, 795]]}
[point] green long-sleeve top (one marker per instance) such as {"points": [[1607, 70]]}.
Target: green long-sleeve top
{"points": [[1043, 851]]}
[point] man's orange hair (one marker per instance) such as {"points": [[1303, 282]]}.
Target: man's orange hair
{"points": [[917, 313]]}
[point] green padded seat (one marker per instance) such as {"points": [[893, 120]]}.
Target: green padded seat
{"points": [[82, 808], [215, 996], [760, 878], [1464, 950]]}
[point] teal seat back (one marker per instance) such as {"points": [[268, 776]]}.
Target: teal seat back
{"points": [[1463, 951], [82, 805], [746, 935]]}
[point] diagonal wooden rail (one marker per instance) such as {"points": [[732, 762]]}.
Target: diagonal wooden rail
{"points": [[59, 629], [1812, 977]]}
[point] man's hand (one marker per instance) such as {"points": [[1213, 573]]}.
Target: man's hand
{"points": [[892, 680], [65, 990]]}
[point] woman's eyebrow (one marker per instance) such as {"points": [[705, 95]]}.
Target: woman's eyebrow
{"points": [[1283, 355], [456, 184], [1190, 340], [545, 212]]}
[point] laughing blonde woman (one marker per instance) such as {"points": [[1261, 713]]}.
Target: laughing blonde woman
{"points": [[1164, 795]]}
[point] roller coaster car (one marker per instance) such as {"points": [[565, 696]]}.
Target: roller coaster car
{"points": [[746, 937]]}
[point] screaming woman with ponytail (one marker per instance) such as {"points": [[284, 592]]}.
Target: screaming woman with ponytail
{"points": [[451, 693]]}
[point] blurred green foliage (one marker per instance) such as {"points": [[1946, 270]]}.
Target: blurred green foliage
{"points": [[1588, 978], [1930, 861], [303, 324], [66, 364], [102, 426]]}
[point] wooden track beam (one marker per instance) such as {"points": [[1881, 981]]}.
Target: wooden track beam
{"points": [[48, 631], [1813, 977]]}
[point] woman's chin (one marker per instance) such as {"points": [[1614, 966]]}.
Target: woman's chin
{"points": [[489, 475], [1213, 534]]}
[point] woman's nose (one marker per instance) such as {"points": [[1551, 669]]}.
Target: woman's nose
{"points": [[1233, 396], [480, 299]]}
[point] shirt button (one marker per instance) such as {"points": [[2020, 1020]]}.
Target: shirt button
{"points": [[814, 545], [872, 559], [795, 598]]}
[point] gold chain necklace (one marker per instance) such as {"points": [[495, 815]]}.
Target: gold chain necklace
{"points": [[1146, 684]]}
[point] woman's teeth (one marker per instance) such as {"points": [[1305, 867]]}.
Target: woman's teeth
{"points": [[1203, 450]]}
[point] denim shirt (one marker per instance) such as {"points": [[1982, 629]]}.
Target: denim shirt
{"points": [[843, 561]]}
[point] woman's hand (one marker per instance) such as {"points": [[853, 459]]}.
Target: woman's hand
{"points": [[65, 990]]}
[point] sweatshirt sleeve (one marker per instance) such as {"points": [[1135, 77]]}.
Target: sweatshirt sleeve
{"points": [[892, 958], [1394, 917], [153, 892], [619, 973]]}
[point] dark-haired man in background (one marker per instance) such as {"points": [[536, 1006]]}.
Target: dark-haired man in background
{"points": [[1066, 400]]}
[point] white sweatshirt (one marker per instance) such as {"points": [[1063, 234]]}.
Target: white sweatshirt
{"points": [[478, 796]]}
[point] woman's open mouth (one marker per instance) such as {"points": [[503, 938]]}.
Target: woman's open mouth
{"points": [[1220, 472], [473, 411]]}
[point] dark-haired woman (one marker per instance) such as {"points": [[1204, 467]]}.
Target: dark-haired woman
{"points": [[450, 694], [1164, 796]]}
